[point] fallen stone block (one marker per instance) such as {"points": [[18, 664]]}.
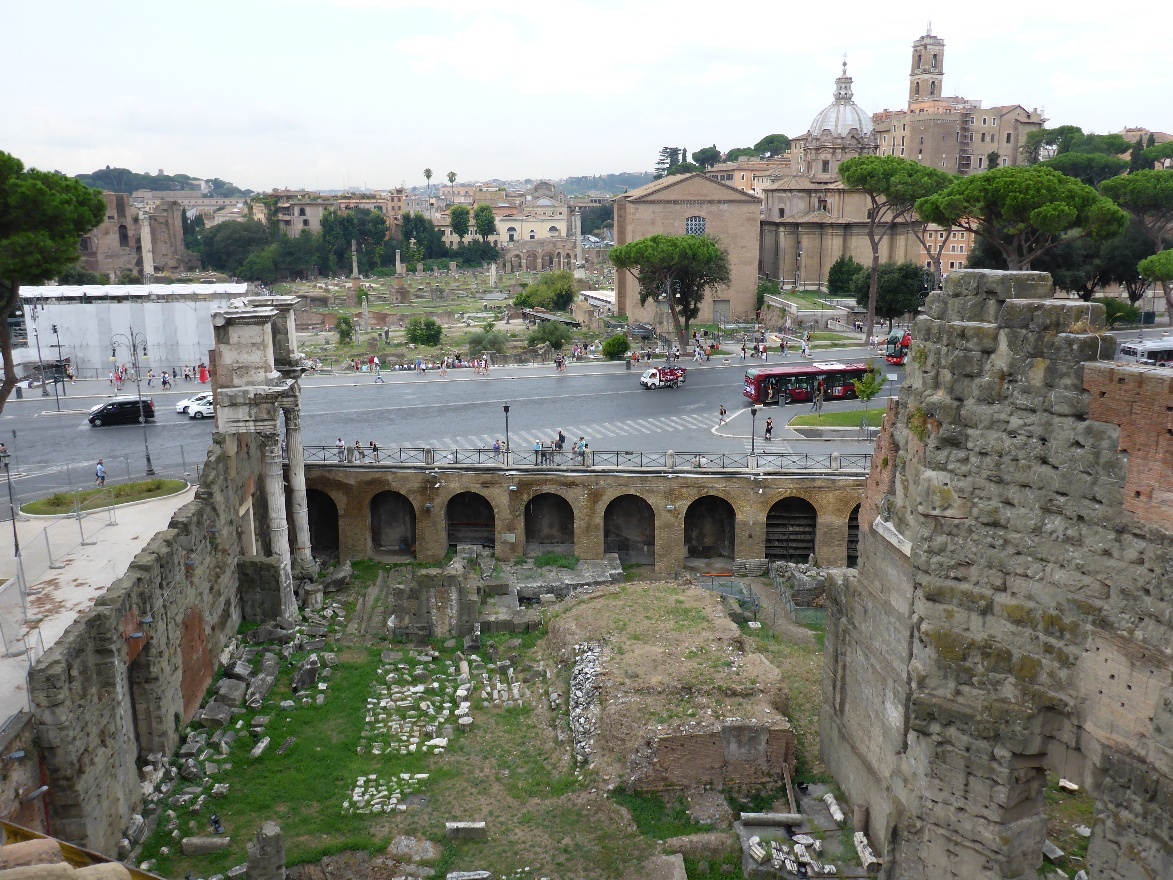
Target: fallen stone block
{"points": [[30, 852], [258, 689], [285, 746], [259, 748], [239, 670], [466, 831], [231, 692], [1053, 854], [469, 875], [191, 770], [772, 819], [338, 578], [202, 846]]}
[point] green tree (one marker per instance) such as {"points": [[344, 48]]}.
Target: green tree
{"points": [[485, 222], [992, 159], [595, 216], [259, 266], [893, 185], [868, 386], [1024, 211], [423, 331], [344, 324], [669, 156], [1136, 159], [684, 168], [841, 275], [458, 218], [616, 347], [552, 332], [296, 257], [1090, 168], [1119, 258], [898, 289], [428, 175], [741, 153], [772, 145], [1159, 268], [366, 228], [553, 291], [764, 289], [228, 245], [43, 216], [680, 267], [487, 340], [1148, 196], [78, 274], [1118, 312], [1070, 139], [451, 178], [706, 157]]}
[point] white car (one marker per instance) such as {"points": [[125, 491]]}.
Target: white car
{"points": [[184, 406], [201, 409]]}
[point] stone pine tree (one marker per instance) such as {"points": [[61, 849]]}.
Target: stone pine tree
{"points": [[1148, 196], [681, 268], [1024, 211], [43, 216], [893, 185]]}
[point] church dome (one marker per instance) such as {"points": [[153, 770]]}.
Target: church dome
{"points": [[843, 115]]}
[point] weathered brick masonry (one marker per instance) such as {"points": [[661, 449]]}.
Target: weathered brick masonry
{"points": [[1013, 609], [102, 698]]}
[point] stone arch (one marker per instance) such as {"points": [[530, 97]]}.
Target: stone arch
{"points": [[629, 529], [710, 528], [549, 525], [531, 262], [470, 519], [853, 537], [791, 525], [323, 517], [392, 524]]}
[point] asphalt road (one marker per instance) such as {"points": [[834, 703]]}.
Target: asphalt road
{"points": [[599, 401]]}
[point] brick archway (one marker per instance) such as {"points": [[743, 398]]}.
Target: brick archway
{"points": [[392, 524], [710, 528], [791, 527], [323, 516], [470, 519], [629, 529], [549, 525]]}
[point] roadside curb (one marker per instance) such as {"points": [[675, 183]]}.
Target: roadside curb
{"points": [[29, 516]]}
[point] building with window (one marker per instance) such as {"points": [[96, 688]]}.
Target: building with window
{"points": [[293, 217], [692, 204], [951, 133], [144, 241], [748, 174]]}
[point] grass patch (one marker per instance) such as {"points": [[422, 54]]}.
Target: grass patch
{"points": [[850, 418], [728, 866], [100, 497], [655, 819], [1065, 810], [555, 560]]}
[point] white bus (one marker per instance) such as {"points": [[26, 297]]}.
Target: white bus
{"points": [[1148, 351]]}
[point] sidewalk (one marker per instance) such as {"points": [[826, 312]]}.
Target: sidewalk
{"points": [[58, 596]]}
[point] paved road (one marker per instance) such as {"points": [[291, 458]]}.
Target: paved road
{"points": [[599, 401]]}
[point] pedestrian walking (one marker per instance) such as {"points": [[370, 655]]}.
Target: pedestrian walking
{"points": [[379, 372], [721, 416], [769, 429], [375, 451], [100, 473], [341, 447]]}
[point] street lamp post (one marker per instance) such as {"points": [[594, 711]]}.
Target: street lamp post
{"points": [[40, 362], [133, 341], [60, 365], [506, 408], [753, 433]]}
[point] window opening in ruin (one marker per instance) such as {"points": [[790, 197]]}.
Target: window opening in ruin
{"points": [[549, 525], [710, 529], [392, 524], [629, 529], [853, 519], [826, 166], [790, 530], [323, 517], [471, 520], [123, 237]]}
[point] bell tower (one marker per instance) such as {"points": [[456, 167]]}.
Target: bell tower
{"points": [[927, 71]]}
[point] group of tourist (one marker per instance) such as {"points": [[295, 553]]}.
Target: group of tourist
{"points": [[125, 372]]}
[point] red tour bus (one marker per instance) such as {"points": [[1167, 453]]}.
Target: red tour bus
{"points": [[797, 383], [897, 346]]}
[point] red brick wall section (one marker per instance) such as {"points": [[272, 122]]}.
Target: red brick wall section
{"points": [[882, 477], [197, 663], [1140, 401]]}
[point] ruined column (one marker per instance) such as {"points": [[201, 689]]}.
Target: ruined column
{"points": [[266, 853], [302, 556], [278, 529]]}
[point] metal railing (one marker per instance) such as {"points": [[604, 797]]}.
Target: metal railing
{"points": [[602, 459]]}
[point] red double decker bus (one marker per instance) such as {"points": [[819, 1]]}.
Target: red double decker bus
{"points": [[797, 382]]}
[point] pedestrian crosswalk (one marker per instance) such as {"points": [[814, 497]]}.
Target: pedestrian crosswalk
{"points": [[598, 434]]}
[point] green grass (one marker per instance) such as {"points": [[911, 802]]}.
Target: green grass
{"points": [[1064, 811], [831, 337], [728, 866], [655, 819], [850, 418], [98, 498], [555, 560]]}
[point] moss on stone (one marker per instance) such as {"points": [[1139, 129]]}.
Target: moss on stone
{"points": [[1023, 615], [1026, 667]]}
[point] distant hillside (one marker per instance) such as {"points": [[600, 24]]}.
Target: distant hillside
{"points": [[605, 184], [123, 180]]}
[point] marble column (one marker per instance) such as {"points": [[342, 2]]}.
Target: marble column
{"points": [[301, 518], [278, 528]]}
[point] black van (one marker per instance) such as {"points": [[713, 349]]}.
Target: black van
{"points": [[121, 411]]}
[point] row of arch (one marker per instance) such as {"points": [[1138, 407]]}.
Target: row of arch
{"points": [[629, 526], [534, 261]]}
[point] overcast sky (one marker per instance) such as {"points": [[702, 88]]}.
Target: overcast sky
{"points": [[330, 93]]}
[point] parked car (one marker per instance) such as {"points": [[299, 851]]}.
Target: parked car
{"points": [[121, 411], [202, 409], [184, 406]]}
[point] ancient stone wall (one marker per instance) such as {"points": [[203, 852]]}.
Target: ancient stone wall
{"points": [[1011, 613], [125, 677], [727, 756]]}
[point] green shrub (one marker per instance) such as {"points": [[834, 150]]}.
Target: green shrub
{"points": [[344, 324], [423, 331], [549, 331], [486, 340], [1118, 311], [555, 560], [616, 347]]}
